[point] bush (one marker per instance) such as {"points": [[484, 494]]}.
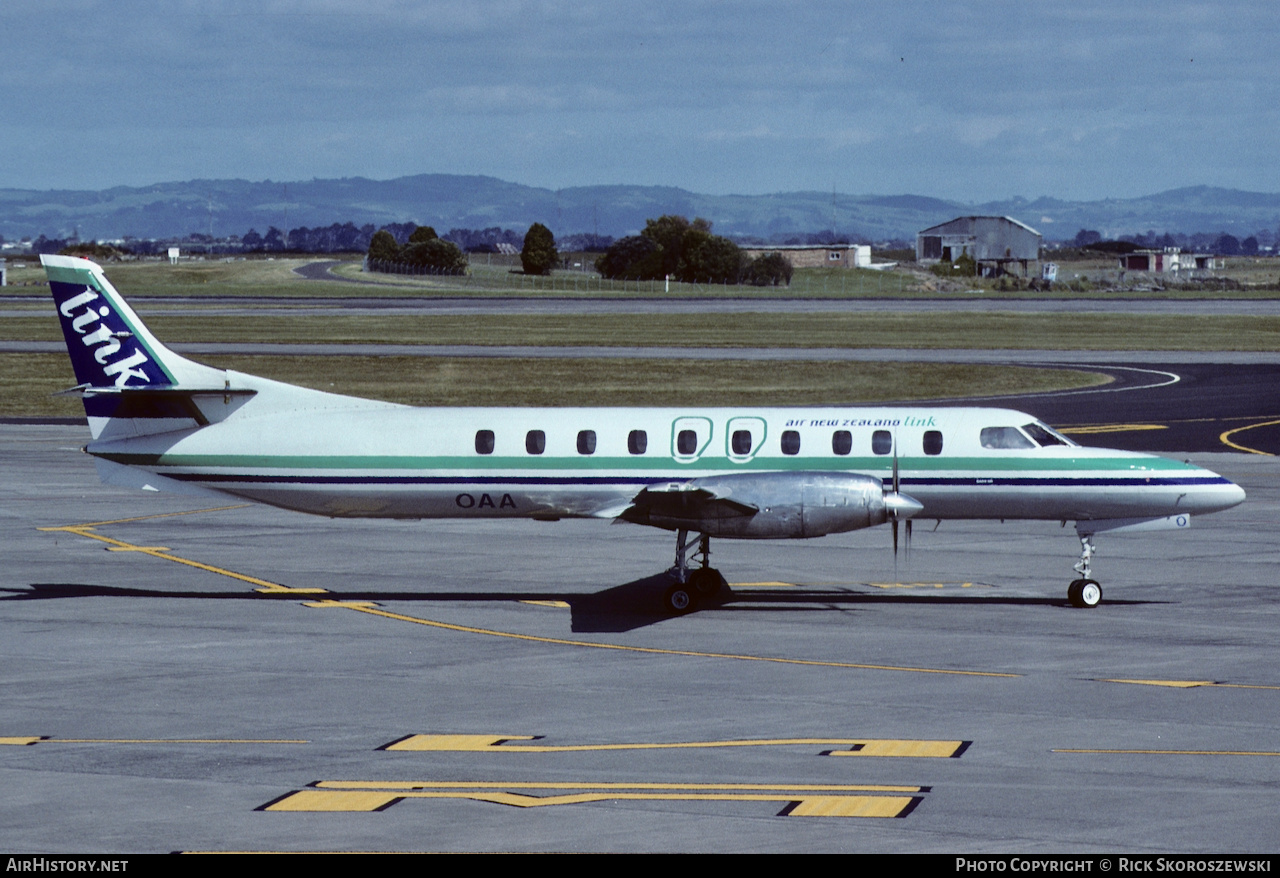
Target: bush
{"points": [[962, 267], [768, 269]]}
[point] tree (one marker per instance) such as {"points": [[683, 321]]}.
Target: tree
{"points": [[538, 255], [383, 247], [631, 258], [441, 257], [708, 258], [1227, 245], [1085, 237], [422, 234], [670, 232]]}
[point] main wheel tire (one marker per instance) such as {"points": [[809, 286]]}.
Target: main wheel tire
{"points": [[707, 581], [1084, 594], [680, 599]]}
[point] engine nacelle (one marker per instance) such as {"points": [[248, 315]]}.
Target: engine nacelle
{"points": [[770, 505]]}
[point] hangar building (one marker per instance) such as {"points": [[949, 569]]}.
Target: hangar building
{"points": [[991, 241]]}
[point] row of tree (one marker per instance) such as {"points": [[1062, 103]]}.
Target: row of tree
{"points": [[671, 246], [426, 250], [1219, 243]]}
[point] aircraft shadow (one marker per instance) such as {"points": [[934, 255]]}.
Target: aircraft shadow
{"points": [[625, 607]]}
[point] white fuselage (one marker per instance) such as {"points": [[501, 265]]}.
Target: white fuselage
{"points": [[382, 460]]}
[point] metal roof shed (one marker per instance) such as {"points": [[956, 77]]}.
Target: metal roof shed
{"points": [[990, 241]]}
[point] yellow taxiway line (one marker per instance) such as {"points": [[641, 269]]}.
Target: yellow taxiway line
{"points": [[857, 746], [369, 607]]}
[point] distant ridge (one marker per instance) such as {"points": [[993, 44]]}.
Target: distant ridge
{"points": [[445, 201]]}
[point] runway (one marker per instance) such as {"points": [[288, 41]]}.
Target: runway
{"points": [[184, 677]]}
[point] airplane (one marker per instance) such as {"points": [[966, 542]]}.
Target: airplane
{"points": [[159, 421]]}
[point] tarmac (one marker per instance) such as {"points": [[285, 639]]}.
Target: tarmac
{"points": [[186, 675]]}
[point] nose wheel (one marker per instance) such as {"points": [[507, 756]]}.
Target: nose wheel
{"points": [[1084, 593]]}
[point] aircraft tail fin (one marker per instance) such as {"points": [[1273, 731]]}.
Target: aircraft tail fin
{"points": [[122, 371]]}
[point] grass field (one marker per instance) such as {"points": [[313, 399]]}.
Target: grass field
{"points": [[988, 331], [27, 381], [1260, 278]]}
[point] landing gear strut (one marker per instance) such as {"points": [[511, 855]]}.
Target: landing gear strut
{"points": [[1084, 593], [693, 584]]}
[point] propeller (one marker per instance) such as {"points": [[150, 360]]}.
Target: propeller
{"points": [[899, 506]]}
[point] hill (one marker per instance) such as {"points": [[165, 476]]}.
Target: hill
{"points": [[445, 201]]}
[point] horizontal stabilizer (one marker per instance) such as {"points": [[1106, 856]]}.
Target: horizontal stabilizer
{"points": [[157, 402]]}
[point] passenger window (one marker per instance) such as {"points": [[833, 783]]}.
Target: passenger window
{"points": [[741, 442], [586, 441], [1004, 437], [484, 442], [687, 442], [637, 442], [881, 442], [790, 442], [535, 442], [841, 442], [932, 442]]}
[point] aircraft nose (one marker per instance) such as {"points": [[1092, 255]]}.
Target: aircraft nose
{"points": [[1217, 497]]}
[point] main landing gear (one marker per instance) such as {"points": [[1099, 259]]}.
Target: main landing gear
{"points": [[1084, 593], [692, 584]]}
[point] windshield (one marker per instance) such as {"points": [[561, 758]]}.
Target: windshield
{"points": [[1045, 435]]}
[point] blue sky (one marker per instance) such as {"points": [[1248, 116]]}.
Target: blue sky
{"points": [[971, 101]]}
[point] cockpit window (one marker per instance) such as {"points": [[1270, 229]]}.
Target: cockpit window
{"points": [[1044, 435], [1004, 437]]}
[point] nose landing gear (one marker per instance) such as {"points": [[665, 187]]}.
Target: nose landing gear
{"points": [[1084, 593]]}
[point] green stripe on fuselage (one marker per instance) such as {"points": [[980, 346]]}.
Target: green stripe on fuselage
{"points": [[473, 463]]}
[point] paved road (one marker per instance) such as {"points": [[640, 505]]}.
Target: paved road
{"points": [[152, 705]]}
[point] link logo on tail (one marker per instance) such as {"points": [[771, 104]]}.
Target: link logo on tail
{"points": [[105, 349]]}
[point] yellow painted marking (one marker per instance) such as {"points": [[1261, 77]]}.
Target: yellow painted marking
{"points": [[45, 739], [265, 586], [1223, 438], [353, 605], [1190, 684], [411, 786], [468, 629], [149, 517], [861, 746], [817, 806], [906, 749], [849, 806], [1182, 752], [919, 584], [559, 605], [1112, 428], [822, 800]]}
